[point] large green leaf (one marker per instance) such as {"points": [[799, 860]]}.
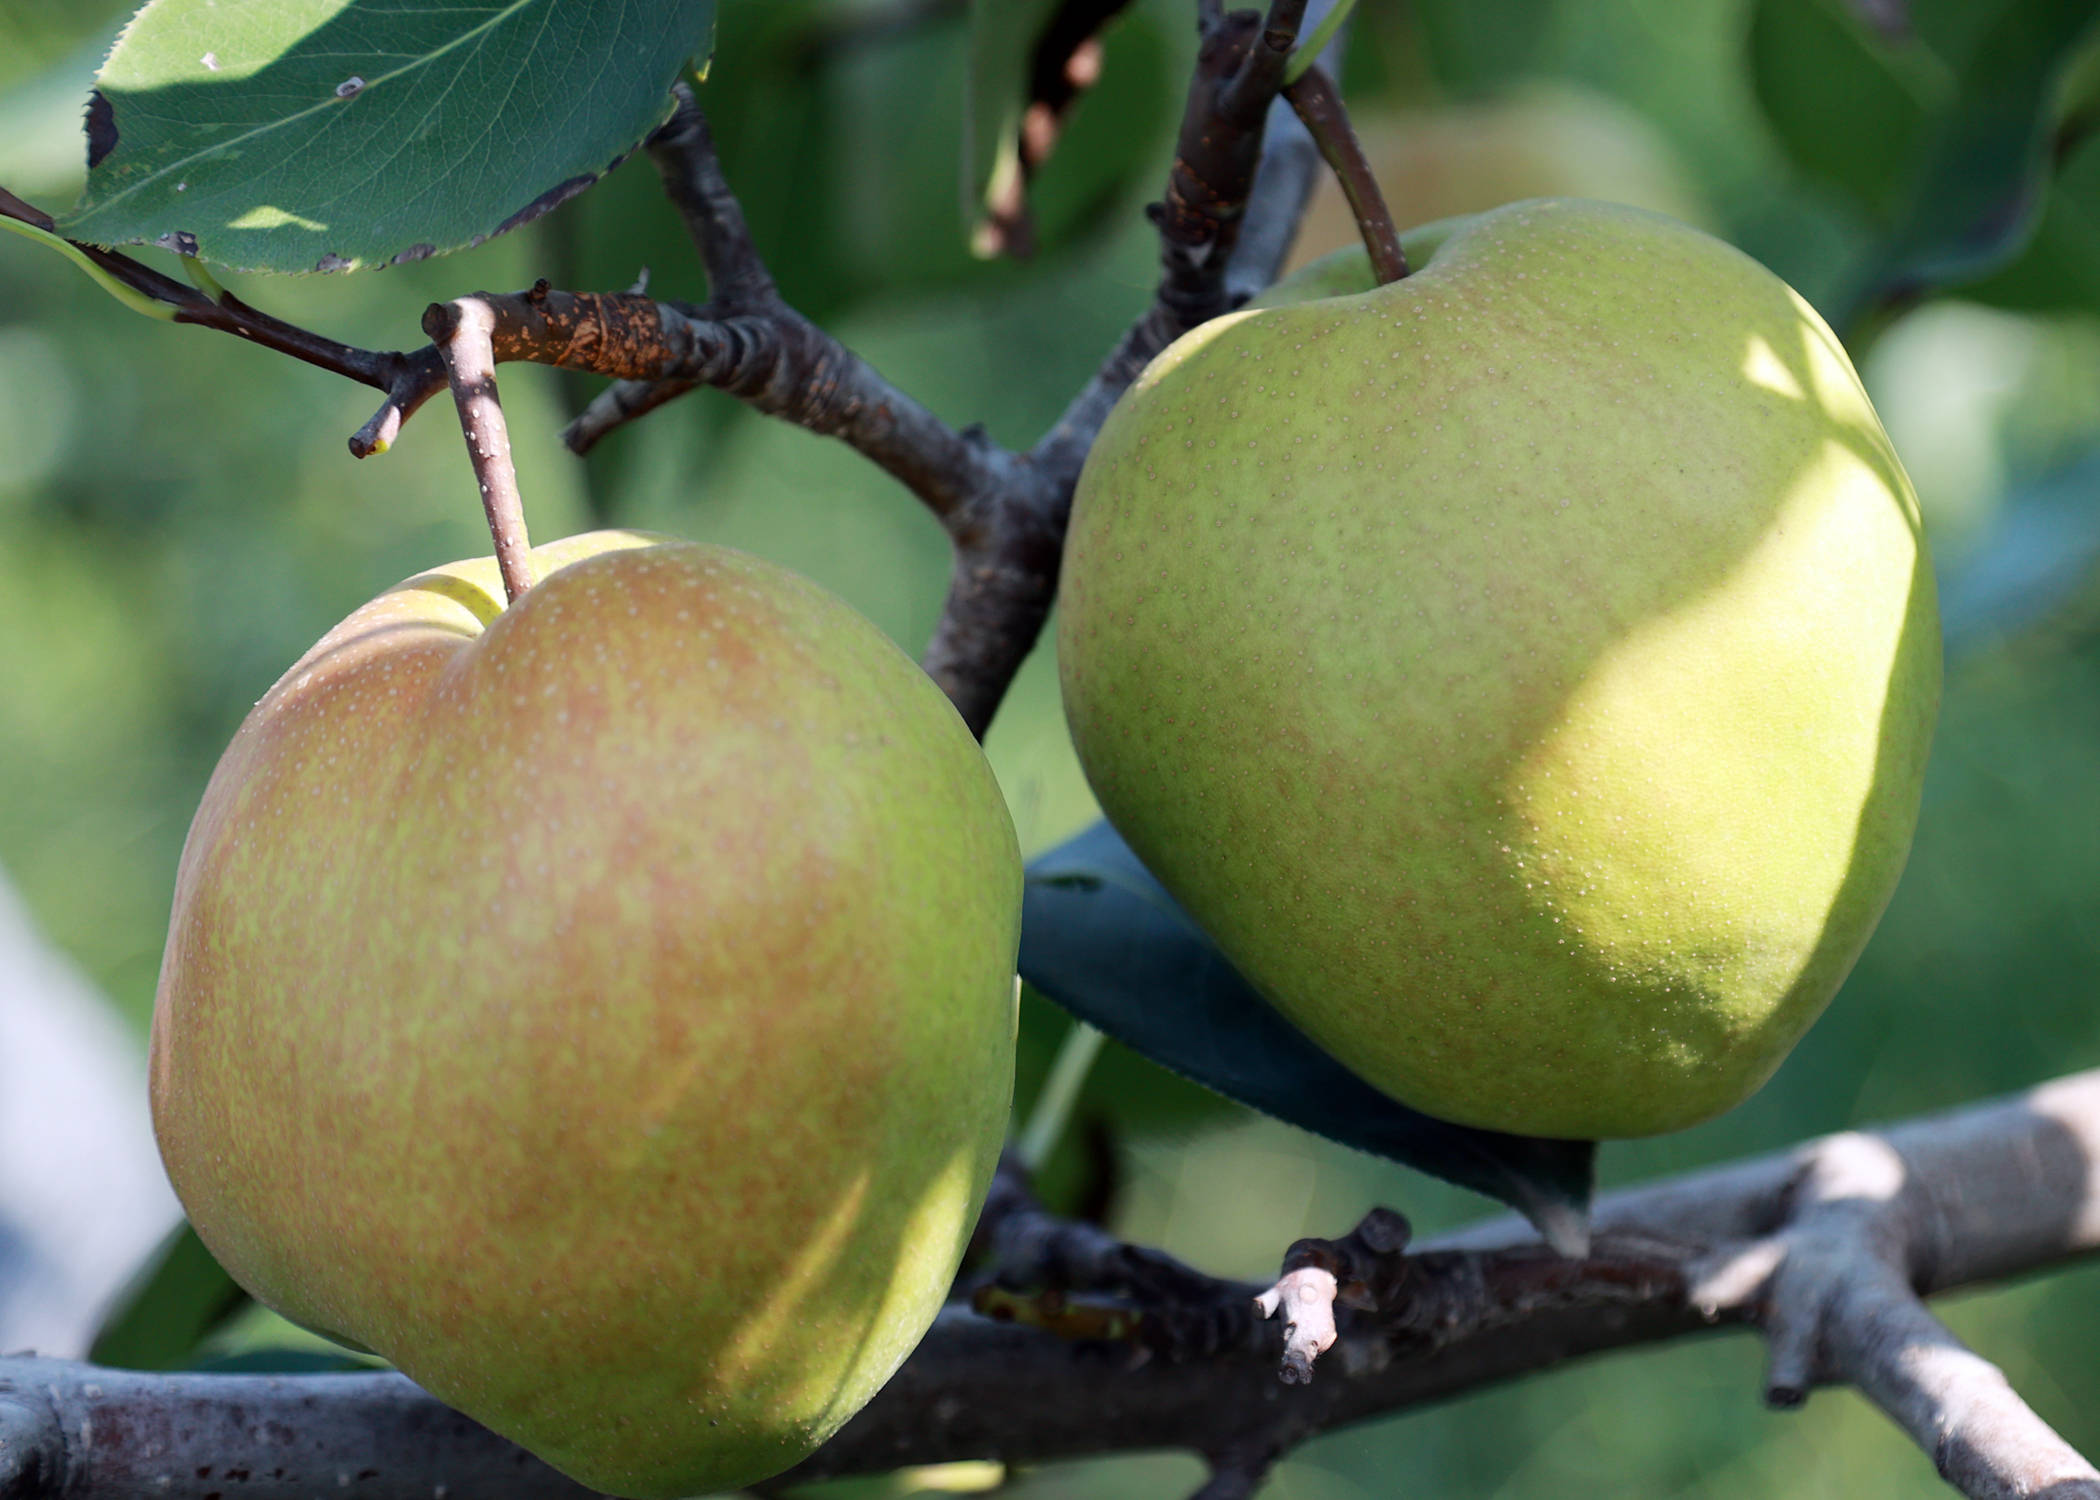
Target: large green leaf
{"points": [[1849, 108], [1479, 46], [1941, 140], [1979, 188], [300, 135], [2061, 264]]}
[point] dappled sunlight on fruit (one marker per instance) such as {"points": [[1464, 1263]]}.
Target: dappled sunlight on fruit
{"points": [[1557, 738], [1763, 367]]}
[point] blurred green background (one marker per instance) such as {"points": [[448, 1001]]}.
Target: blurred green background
{"points": [[179, 518]]}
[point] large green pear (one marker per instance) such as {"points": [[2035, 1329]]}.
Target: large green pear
{"points": [[602, 1007], [1523, 670]]}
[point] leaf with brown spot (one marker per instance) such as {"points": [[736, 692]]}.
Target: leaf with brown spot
{"points": [[341, 134]]}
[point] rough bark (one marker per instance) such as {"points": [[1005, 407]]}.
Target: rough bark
{"points": [[1828, 1248]]}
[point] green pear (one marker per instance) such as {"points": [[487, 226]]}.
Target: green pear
{"points": [[1524, 670], [602, 1007]]}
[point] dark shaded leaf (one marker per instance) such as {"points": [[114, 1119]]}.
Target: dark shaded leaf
{"points": [[1943, 140], [338, 134], [1102, 938], [1979, 186], [2060, 267], [1478, 46], [1849, 108], [176, 1299]]}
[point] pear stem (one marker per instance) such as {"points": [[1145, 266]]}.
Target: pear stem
{"points": [[1313, 96], [464, 333]]}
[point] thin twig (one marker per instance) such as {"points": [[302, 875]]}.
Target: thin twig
{"points": [[464, 332], [618, 404], [1261, 76], [1064, 62], [684, 153], [417, 378], [409, 379], [1317, 104]]}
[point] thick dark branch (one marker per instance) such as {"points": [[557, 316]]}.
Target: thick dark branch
{"points": [[776, 360], [1006, 513], [1008, 551], [1873, 1221], [1230, 212], [749, 342], [782, 364], [1261, 76]]}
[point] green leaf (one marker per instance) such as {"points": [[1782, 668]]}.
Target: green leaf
{"points": [[1979, 188], [338, 134], [1104, 940], [1849, 109], [2061, 265], [1943, 140], [176, 1298], [1479, 46]]}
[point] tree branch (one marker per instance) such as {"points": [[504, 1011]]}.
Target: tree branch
{"points": [[1826, 1247], [408, 379], [1005, 512], [684, 153], [1009, 547]]}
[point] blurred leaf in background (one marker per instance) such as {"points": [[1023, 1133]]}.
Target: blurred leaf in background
{"points": [[1941, 127]]}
